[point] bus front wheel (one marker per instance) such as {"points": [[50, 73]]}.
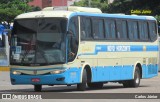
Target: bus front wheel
{"points": [[37, 88], [82, 86]]}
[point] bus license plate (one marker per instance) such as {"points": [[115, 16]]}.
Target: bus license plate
{"points": [[35, 79]]}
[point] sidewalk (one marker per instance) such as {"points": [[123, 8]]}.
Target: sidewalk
{"points": [[5, 78]]}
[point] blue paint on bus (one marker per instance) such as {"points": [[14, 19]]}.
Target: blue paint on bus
{"points": [[129, 48], [99, 74]]}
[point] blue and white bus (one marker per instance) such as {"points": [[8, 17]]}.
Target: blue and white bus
{"points": [[4, 49], [82, 46]]}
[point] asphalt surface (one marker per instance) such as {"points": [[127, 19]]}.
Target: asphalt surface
{"points": [[149, 86]]}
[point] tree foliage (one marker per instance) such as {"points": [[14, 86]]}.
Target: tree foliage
{"points": [[9, 9], [125, 6], [102, 4]]}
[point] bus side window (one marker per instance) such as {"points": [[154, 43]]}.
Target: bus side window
{"points": [[73, 40], [133, 30], [124, 29], [143, 30], [121, 29], [110, 29], [152, 30], [98, 29], [86, 28]]}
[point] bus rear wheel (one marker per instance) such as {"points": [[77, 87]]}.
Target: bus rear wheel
{"points": [[37, 88], [95, 85], [82, 86], [135, 82]]}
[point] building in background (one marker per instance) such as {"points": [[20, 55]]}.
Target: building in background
{"points": [[59, 2], [46, 3]]}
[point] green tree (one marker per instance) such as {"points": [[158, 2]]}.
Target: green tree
{"points": [[125, 6], [9, 9], [101, 4]]}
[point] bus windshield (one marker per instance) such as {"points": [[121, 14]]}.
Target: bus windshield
{"points": [[37, 42]]}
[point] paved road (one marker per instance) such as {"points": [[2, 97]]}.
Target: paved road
{"points": [[147, 86]]}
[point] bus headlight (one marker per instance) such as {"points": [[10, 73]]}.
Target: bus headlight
{"points": [[16, 72], [57, 71]]}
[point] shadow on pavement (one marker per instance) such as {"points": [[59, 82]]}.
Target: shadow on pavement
{"points": [[65, 89]]}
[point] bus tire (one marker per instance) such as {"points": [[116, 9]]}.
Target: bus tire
{"points": [[95, 85], [126, 84], [37, 88], [135, 82], [82, 86], [137, 77]]}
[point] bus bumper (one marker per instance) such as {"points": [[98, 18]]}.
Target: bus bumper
{"points": [[69, 77]]}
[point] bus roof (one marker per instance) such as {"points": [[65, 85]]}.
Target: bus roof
{"points": [[117, 16], [41, 14], [50, 12]]}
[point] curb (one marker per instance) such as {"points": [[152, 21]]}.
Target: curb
{"points": [[4, 68]]}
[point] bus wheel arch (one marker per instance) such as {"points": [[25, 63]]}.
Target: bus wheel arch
{"points": [[137, 75], [88, 71], [139, 66], [85, 77], [140, 69]]}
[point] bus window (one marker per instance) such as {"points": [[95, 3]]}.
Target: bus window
{"points": [[133, 30], [121, 29], [143, 30], [98, 28], [38, 41], [73, 40], [124, 29], [110, 29], [152, 30], [86, 28]]}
